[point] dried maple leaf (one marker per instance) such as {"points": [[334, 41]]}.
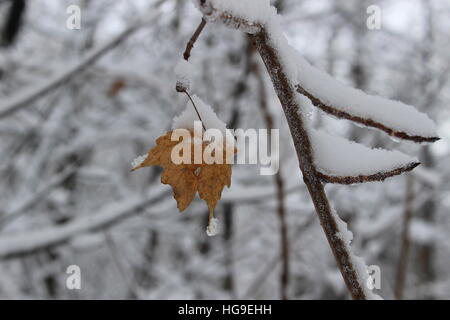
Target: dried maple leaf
{"points": [[188, 179]]}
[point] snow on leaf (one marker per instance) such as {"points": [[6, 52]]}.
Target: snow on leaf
{"points": [[209, 118], [138, 161]]}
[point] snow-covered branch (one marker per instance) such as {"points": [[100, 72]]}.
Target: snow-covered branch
{"points": [[38, 195], [26, 242], [331, 96], [372, 111], [26, 97], [339, 160], [230, 13], [290, 103]]}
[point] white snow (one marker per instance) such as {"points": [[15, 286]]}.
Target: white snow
{"points": [[393, 114], [429, 177], [189, 116], [360, 266], [30, 94], [213, 228], [337, 156], [288, 54], [11, 244], [423, 232], [138, 161], [183, 73], [255, 11]]}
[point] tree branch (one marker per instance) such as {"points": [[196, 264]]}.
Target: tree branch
{"points": [[26, 242], [366, 122], [265, 37], [37, 196], [379, 176], [288, 98], [191, 42], [210, 14], [287, 95]]}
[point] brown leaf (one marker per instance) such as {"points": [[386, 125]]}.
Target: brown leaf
{"points": [[188, 179]]}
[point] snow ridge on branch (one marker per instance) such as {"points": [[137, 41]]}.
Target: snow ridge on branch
{"points": [[339, 160]]}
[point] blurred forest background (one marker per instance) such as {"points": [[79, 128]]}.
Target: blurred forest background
{"points": [[67, 196]]}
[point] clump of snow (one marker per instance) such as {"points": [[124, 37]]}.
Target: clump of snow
{"points": [[254, 11], [213, 227], [306, 109], [138, 161], [189, 116], [183, 73], [393, 114]]}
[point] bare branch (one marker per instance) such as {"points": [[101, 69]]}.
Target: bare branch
{"points": [[379, 176], [190, 44]]}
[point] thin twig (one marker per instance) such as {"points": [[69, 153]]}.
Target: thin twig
{"points": [[405, 242], [260, 278], [191, 42], [186, 56], [379, 176], [195, 108], [114, 250]]}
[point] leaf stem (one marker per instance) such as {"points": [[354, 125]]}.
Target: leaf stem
{"points": [[195, 108]]}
